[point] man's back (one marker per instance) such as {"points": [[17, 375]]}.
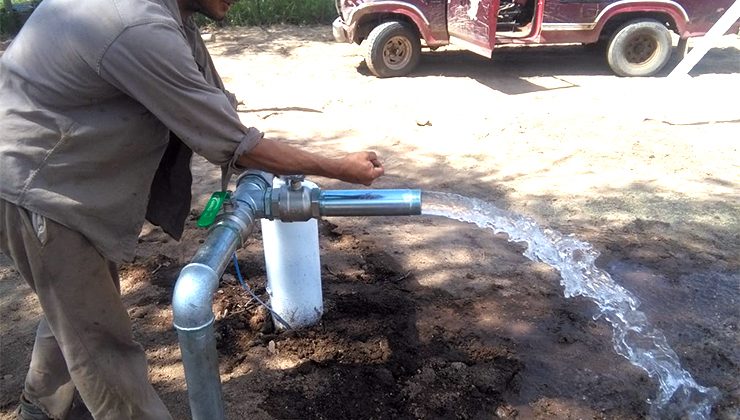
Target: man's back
{"points": [[86, 99], [66, 130]]}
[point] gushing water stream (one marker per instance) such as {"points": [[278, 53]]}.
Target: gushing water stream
{"points": [[633, 337]]}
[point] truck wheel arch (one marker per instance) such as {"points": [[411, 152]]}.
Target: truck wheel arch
{"points": [[611, 19], [368, 19]]}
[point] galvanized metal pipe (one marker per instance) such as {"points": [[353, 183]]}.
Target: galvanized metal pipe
{"points": [[254, 198], [192, 305], [296, 203], [192, 301], [370, 202]]}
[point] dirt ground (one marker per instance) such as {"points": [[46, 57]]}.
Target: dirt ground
{"points": [[430, 318]]}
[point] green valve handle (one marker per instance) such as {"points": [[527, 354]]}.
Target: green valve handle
{"points": [[213, 208]]}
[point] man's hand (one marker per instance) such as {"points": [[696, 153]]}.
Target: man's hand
{"points": [[282, 159], [360, 168]]}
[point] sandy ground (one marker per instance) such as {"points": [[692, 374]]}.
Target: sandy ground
{"points": [[426, 317]]}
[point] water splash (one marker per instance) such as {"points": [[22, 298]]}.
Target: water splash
{"points": [[646, 347]]}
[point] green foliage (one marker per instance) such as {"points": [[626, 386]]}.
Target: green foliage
{"points": [[269, 12], [9, 22], [14, 15], [242, 13]]}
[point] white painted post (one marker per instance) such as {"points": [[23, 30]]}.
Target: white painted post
{"points": [[293, 267], [704, 43]]}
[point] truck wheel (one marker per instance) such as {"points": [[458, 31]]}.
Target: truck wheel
{"points": [[639, 48], [393, 49]]}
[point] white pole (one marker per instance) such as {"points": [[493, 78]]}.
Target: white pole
{"points": [[293, 269], [707, 41]]}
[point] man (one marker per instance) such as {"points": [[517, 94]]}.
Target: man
{"points": [[101, 103]]}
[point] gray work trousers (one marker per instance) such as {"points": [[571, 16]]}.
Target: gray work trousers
{"points": [[84, 339]]}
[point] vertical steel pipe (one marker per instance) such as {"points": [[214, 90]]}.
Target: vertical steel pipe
{"points": [[192, 304], [192, 301]]}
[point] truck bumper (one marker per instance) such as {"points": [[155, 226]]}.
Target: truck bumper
{"points": [[340, 30]]}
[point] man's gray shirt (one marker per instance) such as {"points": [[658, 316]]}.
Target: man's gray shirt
{"points": [[88, 94]]}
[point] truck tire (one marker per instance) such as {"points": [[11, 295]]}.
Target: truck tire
{"points": [[393, 49], [639, 48]]}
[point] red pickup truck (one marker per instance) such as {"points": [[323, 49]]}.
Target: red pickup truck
{"points": [[637, 33]]}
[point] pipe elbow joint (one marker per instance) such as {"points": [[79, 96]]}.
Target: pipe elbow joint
{"points": [[192, 301], [252, 190]]}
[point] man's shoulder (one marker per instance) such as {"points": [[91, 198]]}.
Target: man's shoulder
{"points": [[114, 17], [99, 22], [140, 12]]}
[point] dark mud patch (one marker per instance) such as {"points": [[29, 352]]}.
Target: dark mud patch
{"points": [[388, 347], [367, 359]]}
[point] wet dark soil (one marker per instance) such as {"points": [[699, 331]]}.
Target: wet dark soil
{"points": [[388, 347]]}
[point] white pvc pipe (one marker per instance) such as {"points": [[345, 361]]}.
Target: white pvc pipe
{"points": [[293, 269], [704, 43]]}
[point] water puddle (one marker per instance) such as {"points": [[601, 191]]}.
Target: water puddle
{"points": [[633, 337]]}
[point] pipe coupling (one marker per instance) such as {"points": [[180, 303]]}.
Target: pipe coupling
{"points": [[240, 220]]}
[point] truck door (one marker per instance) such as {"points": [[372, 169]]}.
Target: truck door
{"points": [[471, 24]]}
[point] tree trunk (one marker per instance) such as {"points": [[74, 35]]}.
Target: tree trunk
{"points": [[8, 5]]}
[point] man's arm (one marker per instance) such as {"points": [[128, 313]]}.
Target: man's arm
{"points": [[164, 78], [283, 159], [154, 65]]}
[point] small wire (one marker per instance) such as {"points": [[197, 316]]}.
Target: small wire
{"points": [[254, 296]]}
